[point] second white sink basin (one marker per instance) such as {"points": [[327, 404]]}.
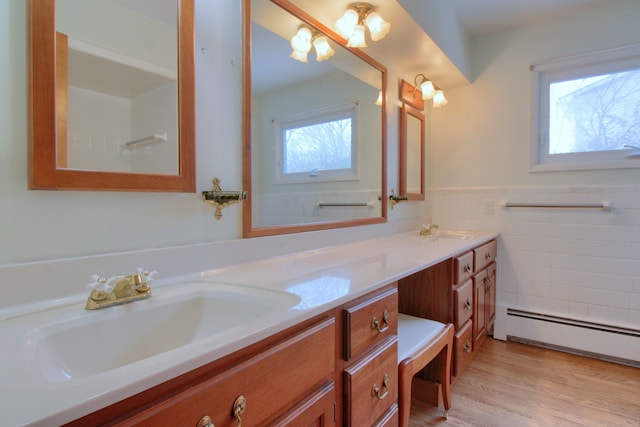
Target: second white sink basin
{"points": [[452, 234], [89, 343]]}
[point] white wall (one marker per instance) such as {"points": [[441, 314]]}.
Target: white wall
{"points": [[575, 263], [46, 225]]}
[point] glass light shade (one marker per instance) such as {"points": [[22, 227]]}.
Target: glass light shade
{"points": [[379, 100], [378, 27], [299, 56], [427, 89], [347, 23], [357, 39], [323, 49], [301, 44], [439, 100]]}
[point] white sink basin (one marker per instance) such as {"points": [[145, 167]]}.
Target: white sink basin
{"points": [[452, 234], [91, 342]]}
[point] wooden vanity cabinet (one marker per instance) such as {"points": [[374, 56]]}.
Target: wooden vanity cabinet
{"points": [[370, 360], [460, 290], [287, 382]]}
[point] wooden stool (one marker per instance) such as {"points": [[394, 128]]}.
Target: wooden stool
{"points": [[419, 342]]}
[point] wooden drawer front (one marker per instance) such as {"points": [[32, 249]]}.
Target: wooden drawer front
{"points": [[485, 255], [462, 347], [362, 406], [272, 382], [317, 410], [369, 322], [390, 419], [463, 303], [462, 268]]}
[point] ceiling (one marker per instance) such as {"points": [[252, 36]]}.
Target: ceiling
{"points": [[412, 50], [480, 17]]}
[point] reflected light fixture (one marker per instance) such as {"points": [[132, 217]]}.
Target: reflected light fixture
{"points": [[379, 100], [352, 23], [302, 41], [301, 44], [322, 47], [430, 91]]}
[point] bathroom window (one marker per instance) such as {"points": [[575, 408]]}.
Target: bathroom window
{"points": [[586, 112], [317, 146]]}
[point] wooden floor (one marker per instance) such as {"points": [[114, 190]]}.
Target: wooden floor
{"points": [[513, 385]]}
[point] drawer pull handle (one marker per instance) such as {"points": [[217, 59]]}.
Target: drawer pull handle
{"points": [[467, 347], [375, 323], [205, 422], [376, 390], [467, 304], [467, 269], [487, 283], [487, 257], [239, 406]]}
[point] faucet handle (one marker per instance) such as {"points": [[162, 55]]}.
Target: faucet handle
{"points": [[101, 283], [146, 275]]}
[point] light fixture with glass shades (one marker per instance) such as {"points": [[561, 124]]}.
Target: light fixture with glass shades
{"points": [[352, 23], [429, 91], [302, 41]]}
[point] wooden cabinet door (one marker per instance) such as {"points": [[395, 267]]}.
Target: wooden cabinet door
{"points": [[490, 297], [479, 309]]}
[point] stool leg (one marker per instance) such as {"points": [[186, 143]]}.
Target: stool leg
{"points": [[405, 376], [445, 377]]}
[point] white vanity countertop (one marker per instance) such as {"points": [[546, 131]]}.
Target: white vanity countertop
{"points": [[322, 279]]}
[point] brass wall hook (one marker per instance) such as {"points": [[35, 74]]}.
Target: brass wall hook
{"points": [[396, 199], [221, 199]]}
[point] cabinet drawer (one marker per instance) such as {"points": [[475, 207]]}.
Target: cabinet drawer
{"points": [[463, 303], [378, 369], [485, 255], [462, 347], [390, 419], [269, 381], [369, 322], [462, 268]]}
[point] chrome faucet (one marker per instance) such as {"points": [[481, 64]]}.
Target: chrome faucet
{"points": [[427, 229], [119, 289]]}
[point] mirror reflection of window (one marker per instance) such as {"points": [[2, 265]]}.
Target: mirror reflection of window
{"points": [[320, 145], [118, 109]]}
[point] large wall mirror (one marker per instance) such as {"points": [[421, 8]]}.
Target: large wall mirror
{"points": [[314, 132], [412, 143], [112, 95]]}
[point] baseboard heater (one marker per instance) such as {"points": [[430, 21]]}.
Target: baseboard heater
{"points": [[589, 332]]}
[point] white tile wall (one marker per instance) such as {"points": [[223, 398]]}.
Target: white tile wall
{"points": [[579, 263]]}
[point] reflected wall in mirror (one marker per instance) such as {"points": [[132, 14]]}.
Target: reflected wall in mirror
{"points": [[314, 137], [412, 143], [112, 95]]}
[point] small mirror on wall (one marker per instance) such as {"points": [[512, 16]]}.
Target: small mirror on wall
{"points": [[111, 110], [412, 143]]}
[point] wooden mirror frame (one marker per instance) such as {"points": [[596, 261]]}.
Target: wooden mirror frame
{"points": [[412, 105], [43, 171], [247, 223]]}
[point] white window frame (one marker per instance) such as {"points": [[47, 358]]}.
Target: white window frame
{"points": [[542, 75], [308, 118]]}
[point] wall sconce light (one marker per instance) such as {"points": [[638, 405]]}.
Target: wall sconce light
{"points": [[430, 91], [351, 24], [302, 41]]}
